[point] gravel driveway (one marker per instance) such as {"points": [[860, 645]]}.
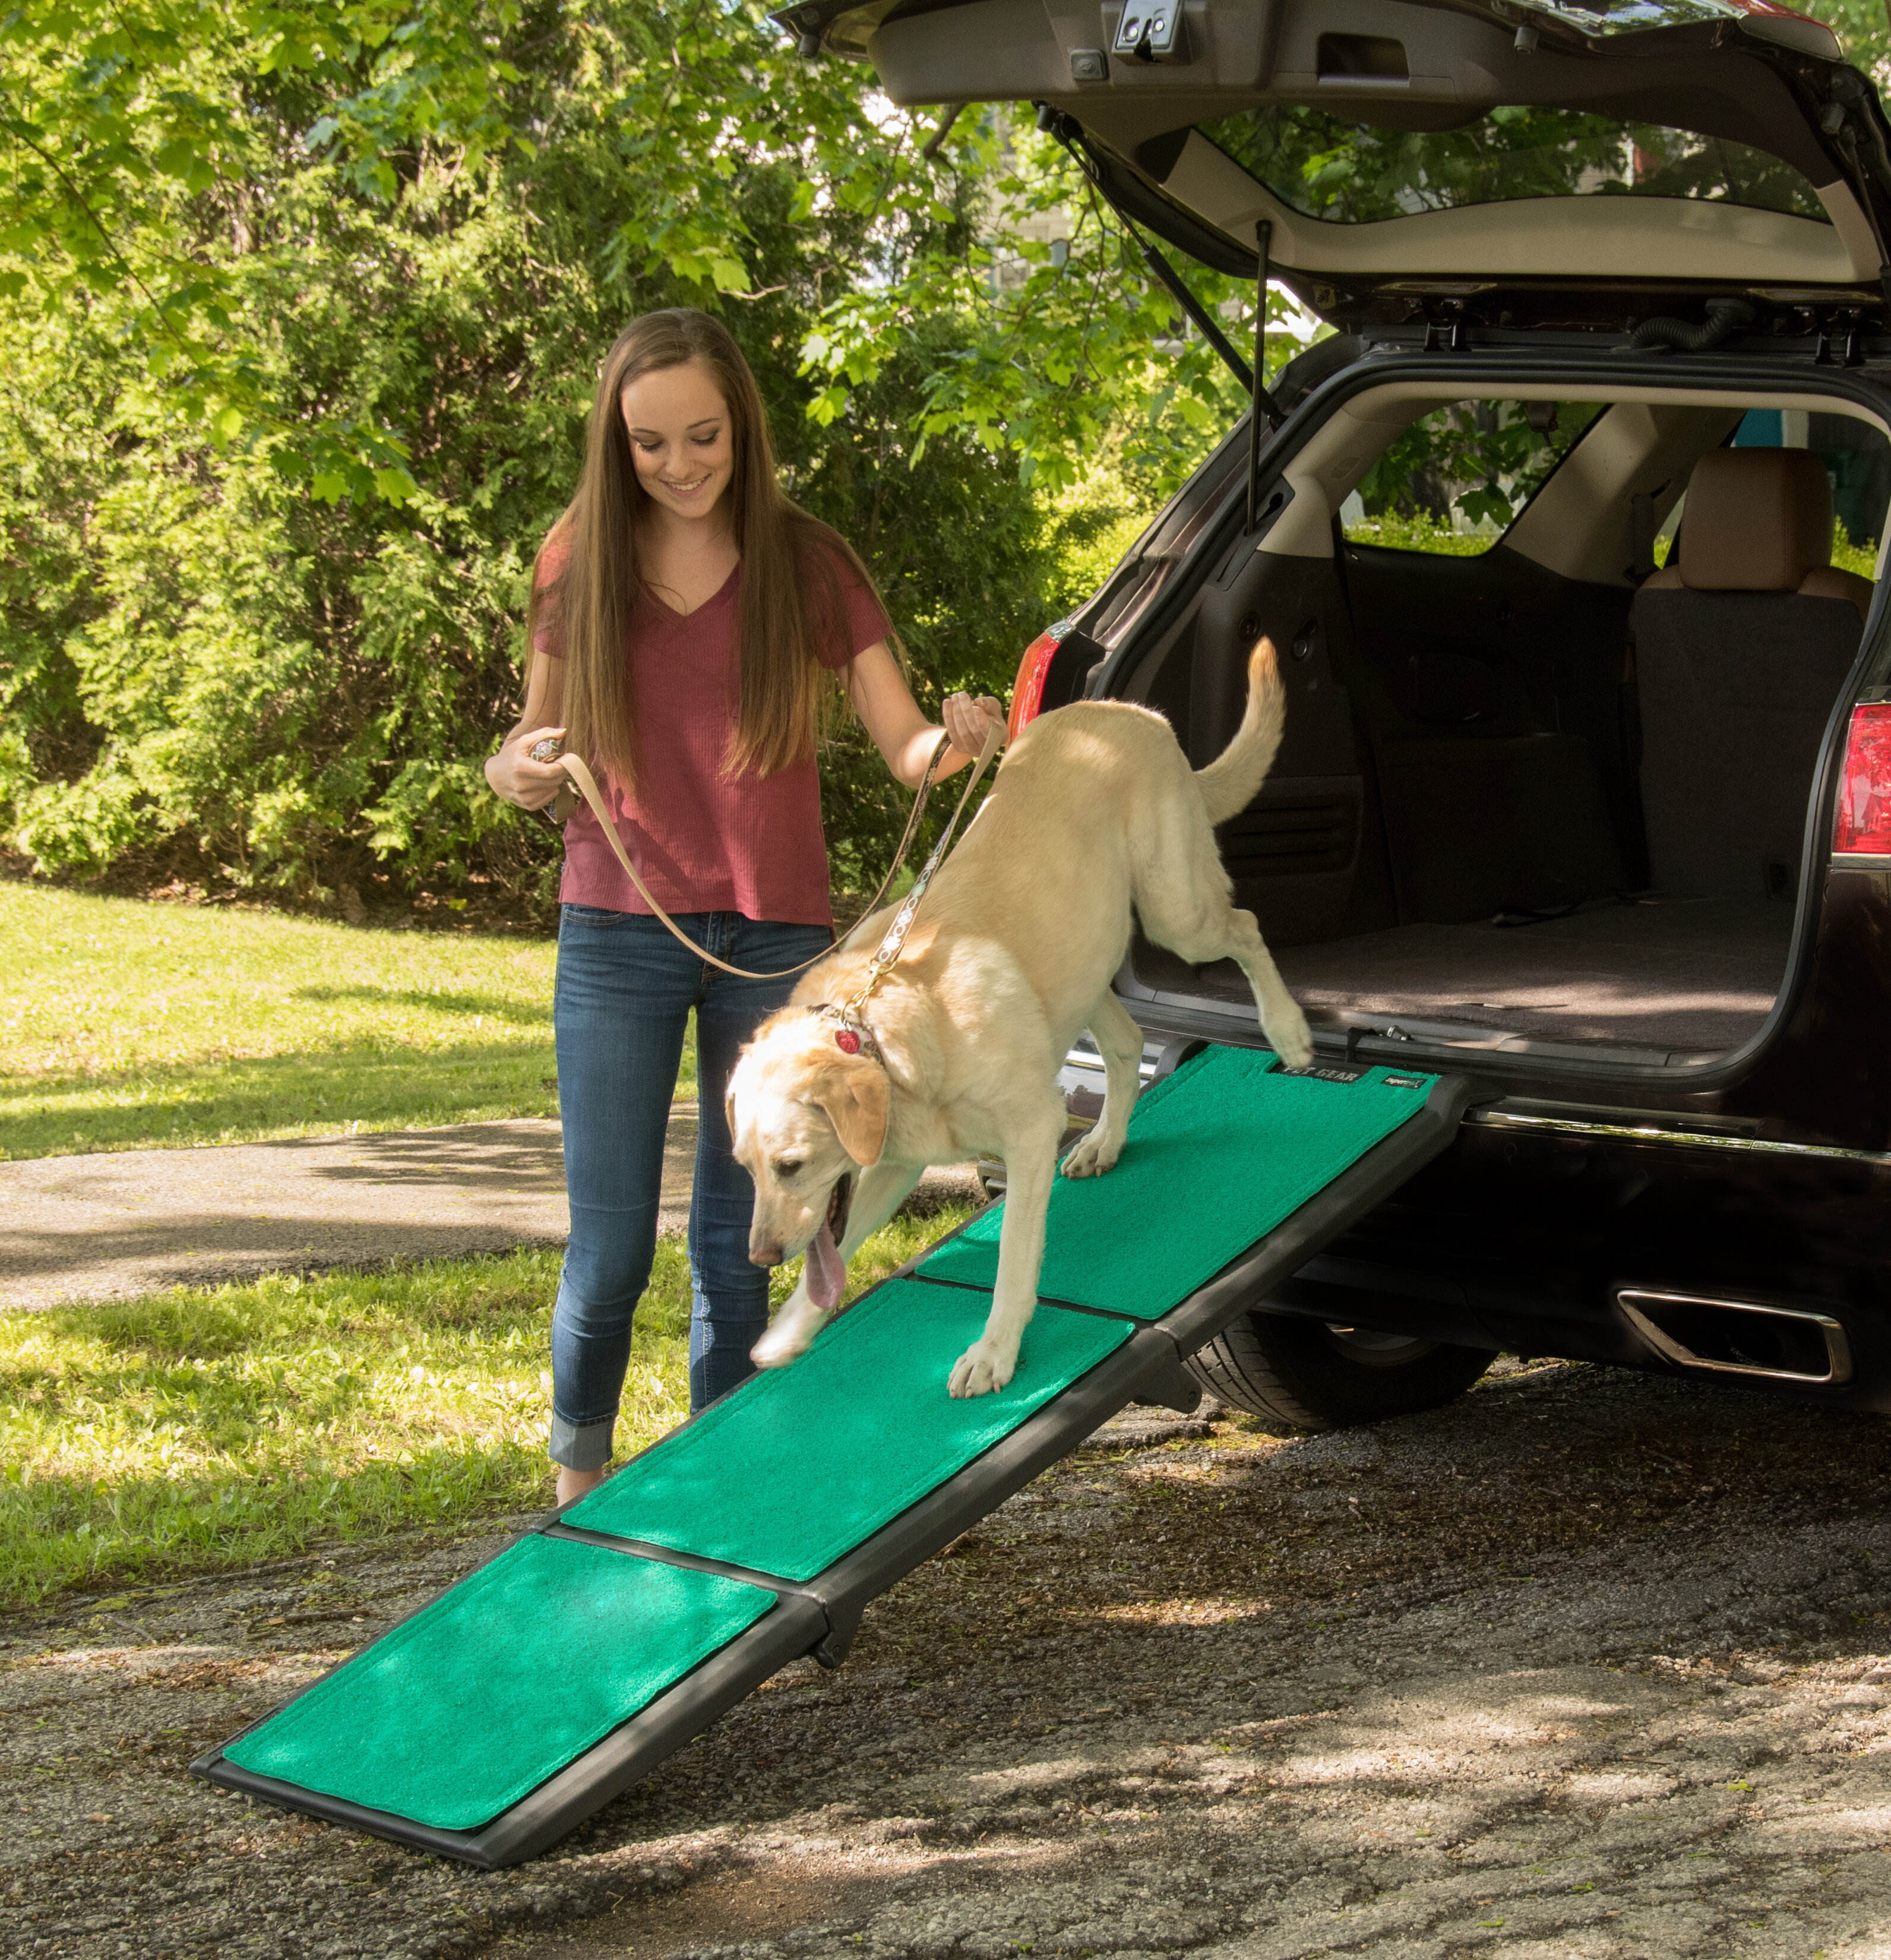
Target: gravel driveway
{"points": [[1588, 1665]]}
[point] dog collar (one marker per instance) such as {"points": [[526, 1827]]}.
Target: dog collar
{"points": [[851, 1035]]}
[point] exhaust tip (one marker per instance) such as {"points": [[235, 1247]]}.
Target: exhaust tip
{"points": [[1740, 1336]]}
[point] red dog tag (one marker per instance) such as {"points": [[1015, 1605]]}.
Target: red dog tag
{"points": [[847, 1041]]}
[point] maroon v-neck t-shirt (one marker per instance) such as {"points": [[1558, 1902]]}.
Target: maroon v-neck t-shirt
{"points": [[704, 841]]}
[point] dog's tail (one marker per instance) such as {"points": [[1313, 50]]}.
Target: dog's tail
{"points": [[1229, 783]]}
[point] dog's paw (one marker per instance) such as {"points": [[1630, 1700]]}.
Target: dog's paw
{"points": [[1092, 1155], [781, 1344], [1293, 1040], [983, 1368]]}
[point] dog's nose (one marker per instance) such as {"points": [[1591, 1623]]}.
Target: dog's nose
{"points": [[765, 1255]]}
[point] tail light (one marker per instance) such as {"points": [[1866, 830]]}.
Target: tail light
{"points": [[1033, 670], [1864, 796]]}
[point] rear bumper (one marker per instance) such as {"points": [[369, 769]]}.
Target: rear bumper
{"points": [[1527, 1232]]}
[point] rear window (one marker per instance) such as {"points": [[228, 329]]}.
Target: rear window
{"points": [[1455, 481], [1350, 173]]}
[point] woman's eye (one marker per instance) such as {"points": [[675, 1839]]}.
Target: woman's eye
{"points": [[787, 1167]]}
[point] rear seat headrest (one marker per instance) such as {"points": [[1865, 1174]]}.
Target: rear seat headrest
{"points": [[1756, 520]]}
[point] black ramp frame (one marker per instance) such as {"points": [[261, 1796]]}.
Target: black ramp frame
{"points": [[821, 1616]]}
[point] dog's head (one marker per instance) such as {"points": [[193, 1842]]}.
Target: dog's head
{"points": [[805, 1115]]}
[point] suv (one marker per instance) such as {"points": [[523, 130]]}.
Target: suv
{"points": [[1586, 788]]}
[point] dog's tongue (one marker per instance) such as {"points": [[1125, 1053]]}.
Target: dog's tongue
{"points": [[826, 1271]]}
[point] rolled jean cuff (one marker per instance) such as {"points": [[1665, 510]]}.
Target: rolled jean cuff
{"points": [[581, 1445]]}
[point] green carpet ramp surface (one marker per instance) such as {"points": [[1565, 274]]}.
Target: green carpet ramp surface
{"points": [[508, 1710], [805, 1463], [473, 1703], [1218, 1154]]}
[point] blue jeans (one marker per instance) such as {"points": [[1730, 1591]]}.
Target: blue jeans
{"points": [[620, 1012]]}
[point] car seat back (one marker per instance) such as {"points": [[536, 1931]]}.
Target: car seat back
{"points": [[1740, 650]]}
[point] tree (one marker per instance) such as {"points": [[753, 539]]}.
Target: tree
{"points": [[305, 355]]}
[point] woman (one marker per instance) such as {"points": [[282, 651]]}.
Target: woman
{"points": [[689, 626]]}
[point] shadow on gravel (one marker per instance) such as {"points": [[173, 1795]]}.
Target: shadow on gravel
{"points": [[1586, 1666]]}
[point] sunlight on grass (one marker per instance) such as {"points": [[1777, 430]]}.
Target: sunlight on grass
{"points": [[1862, 558], [1423, 532], [141, 1440], [191, 1429], [1420, 533], [125, 1025]]}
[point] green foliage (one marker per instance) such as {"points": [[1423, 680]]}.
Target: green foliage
{"points": [[144, 140], [1480, 461], [302, 305], [234, 649], [1060, 338], [1345, 172], [1865, 32], [1862, 558]]}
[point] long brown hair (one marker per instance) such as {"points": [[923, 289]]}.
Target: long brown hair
{"points": [[792, 602]]}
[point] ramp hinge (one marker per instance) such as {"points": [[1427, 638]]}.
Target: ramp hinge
{"points": [[1184, 1048], [835, 1645], [1169, 1385]]}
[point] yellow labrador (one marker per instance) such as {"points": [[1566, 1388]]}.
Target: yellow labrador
{"points": [[1094, 811]]}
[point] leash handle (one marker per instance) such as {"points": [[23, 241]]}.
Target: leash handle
{"points": [[580, 774]]}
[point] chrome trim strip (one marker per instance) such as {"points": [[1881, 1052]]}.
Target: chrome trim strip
{"points": [[1838, 1348], [1092, 1063], [1656, 1133], [1859, 860]]}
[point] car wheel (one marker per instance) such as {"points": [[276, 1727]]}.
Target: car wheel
{"points": [[1313, 1375]]}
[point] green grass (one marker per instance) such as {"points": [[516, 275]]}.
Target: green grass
{"points": [[1420, 533], [1426, 534], [1862, 558], [127, 1025], [141, 1440]]}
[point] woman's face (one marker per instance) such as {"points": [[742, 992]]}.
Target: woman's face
{"points": [[680, 438]]}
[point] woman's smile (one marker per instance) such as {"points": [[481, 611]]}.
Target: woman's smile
{"points": [[681, 442]]}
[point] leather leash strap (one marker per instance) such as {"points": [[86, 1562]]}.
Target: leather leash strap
{"points": [[878, 967], [580, 774]]}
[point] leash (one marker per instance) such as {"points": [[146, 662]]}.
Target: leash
{"points": [[877, 967], [580, 774]]}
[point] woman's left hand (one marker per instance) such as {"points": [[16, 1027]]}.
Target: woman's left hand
{"points": [[969, 722], [877, 688]]}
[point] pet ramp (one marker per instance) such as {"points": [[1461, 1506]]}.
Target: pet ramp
{"points": [[494, 1719]]}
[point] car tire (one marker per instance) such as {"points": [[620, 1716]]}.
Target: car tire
{"points": [[1309, 1375]]}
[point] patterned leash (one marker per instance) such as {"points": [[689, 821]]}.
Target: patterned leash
{"points": [[882, 961], [547, 751]]}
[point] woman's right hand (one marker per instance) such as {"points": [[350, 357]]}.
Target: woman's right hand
{"points": [[514, 776]]}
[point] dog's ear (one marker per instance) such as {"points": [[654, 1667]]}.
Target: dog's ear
{"points": [[856, 1096], [728, 1088]]}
